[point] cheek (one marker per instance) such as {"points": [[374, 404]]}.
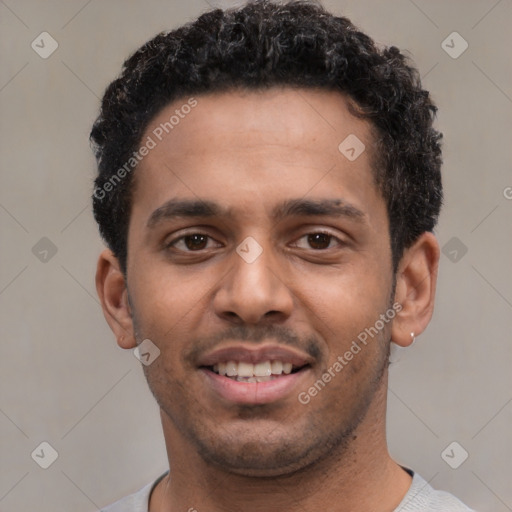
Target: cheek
{"points": [[165, 304], [344, 301]]}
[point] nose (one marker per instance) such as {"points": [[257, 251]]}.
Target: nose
{"points": [[253, 292]]}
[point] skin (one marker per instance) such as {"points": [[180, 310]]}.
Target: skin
{"points": [[249, 152]]}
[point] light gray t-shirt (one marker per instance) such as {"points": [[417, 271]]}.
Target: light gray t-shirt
{"points": [[421, 497]]}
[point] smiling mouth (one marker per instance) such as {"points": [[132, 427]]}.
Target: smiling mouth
{"points": [[241, 371]]}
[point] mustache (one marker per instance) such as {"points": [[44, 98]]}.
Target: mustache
{"points": [[282, 335]]}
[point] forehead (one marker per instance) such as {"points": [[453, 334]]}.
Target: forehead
{"points": [[238, 144], [279, 115]]}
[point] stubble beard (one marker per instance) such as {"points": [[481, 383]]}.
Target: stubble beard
{"points": [[285, 454]]}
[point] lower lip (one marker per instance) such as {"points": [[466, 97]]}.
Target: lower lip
{"points": [[254, 392]]}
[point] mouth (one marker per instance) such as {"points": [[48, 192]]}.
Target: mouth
{"points": [[248, 375], [241, 371]]}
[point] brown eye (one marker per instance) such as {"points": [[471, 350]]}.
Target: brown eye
{"points": [[193, 242], [319, 240]]}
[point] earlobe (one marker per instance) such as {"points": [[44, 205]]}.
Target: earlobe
{"points": [[415, 289], [113, 294]]}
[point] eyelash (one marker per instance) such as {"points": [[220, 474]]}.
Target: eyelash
{"points": [[173, 242]]}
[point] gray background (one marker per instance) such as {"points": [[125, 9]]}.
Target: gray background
{"points": [[63, 379]]}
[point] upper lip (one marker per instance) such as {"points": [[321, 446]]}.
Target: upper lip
{"points": [[255, 354]]}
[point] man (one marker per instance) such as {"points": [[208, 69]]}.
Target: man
{"points": [[268, 185]]}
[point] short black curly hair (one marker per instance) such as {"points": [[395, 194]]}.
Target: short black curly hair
{"points": [[261, 45]]}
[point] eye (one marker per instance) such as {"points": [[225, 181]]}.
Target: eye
{"points": [[318, 240], [192, 242]]}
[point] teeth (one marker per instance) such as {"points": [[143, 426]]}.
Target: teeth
{"points": [[255, 379], [248, 372], [277, 367], [262, 369], [245, 369], [231, 369], [264, 379]]}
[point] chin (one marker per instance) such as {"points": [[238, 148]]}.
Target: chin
{"points": [[263, 464], [277, 454]]}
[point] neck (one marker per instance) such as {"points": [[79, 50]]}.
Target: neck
{"points": [[356, 478]]}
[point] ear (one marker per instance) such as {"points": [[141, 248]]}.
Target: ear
{"points": [[113, 294], [415, 289]]}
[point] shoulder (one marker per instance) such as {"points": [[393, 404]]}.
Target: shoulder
{"points": [[136, 502], [422, 497]]}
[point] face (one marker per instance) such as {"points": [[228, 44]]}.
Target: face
{"points": [[256, 245]]}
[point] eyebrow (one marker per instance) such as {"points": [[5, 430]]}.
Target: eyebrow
{"points": [[197, 208]]}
